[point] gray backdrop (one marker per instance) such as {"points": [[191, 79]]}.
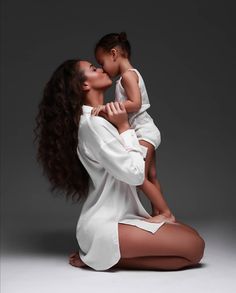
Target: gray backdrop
{"points": [[185, 51]]}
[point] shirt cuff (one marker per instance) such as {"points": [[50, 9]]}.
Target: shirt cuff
{"points": [[130, 140]]}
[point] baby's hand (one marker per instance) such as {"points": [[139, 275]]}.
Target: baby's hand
{"points": [[95, 111]]}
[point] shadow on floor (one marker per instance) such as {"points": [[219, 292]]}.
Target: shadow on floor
{"points": [[60, 242]]}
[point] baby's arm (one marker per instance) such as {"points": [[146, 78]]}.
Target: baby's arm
{"points": [[129, 82]]}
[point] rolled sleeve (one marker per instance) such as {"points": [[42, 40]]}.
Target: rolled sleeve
{"points": [[127, 166], [130, 142]]}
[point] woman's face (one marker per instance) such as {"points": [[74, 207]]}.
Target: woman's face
{"points": [[96, 78]]}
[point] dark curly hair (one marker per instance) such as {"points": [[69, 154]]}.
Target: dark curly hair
{"points": [[56, 131]]}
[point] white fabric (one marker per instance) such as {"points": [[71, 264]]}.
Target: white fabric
{"points": [[116, 166], [141, 121]]}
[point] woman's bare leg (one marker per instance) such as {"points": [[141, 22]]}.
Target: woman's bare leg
{"points": [[140, 263], [172, 247], [154, 263]]}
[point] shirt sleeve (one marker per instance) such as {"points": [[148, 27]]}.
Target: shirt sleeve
{"points": [[120, 154]]}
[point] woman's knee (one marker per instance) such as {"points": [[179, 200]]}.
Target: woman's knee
{"points": [[168, 240], [200, 249], [187, 227], [197, 247], [188, 243]]}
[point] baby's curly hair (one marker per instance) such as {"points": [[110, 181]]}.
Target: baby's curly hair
{"points": [[56, 131], [113, 40]]}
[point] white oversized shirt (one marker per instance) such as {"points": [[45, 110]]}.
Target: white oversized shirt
{"points": [[115, 164]]}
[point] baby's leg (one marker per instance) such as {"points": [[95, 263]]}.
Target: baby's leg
{"points": [[152, 173], [152, 176], [152, 191], [149, 156]]}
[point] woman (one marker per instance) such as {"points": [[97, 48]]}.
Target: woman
{"points": [[100, 161]]}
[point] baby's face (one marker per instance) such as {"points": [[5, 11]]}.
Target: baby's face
{"points": [[106, 60]]}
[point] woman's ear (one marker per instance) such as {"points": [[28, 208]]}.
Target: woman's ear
{"points": [[85, 86]]}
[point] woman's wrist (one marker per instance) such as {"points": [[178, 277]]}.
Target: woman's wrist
{"points": [[156, 211], [123, 127]]}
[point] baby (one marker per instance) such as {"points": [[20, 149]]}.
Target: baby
{"points": [[113, 52]]}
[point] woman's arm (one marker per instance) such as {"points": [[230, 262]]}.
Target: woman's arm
{"points": [[114, 145], [119, 154]]}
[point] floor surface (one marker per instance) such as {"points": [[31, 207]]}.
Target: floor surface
{"points": [[36, 262]]}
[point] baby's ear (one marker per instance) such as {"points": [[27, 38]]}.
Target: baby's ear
{"points": [[114, 53]]}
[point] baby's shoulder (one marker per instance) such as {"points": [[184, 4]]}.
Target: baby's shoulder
{"points": [[129, 77], [131, 74]]}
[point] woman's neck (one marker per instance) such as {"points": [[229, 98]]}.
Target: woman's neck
{"points": [[94, 98]]}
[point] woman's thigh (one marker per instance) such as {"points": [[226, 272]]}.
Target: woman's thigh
{"points": [[169, 240]]}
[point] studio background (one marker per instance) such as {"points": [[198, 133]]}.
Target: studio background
{"points": [[185, 51]]}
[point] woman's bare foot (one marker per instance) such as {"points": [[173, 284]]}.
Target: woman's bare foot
{"points": [[75, 260]]}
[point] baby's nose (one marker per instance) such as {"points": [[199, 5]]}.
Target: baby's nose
{"points": [[101, 69]]}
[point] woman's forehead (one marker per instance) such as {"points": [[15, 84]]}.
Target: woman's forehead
{"points": [[84, 64]]}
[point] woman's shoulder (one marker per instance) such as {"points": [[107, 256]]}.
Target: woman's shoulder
{"points": [[104, 127], [94, 122], [97, 127]]}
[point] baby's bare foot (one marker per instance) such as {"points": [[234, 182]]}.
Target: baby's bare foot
{"points": [[75, 260]]}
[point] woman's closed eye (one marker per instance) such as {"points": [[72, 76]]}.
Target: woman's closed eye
{"points": [[93, 67]]}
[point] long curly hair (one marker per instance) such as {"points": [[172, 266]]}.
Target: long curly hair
{"points": [[56, 131]]}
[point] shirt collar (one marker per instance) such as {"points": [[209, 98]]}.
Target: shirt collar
{"points": [[87, 109]]}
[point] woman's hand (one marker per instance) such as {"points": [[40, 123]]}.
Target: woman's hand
{"points": [[96, 110], [115, 113], [160, 218]]}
